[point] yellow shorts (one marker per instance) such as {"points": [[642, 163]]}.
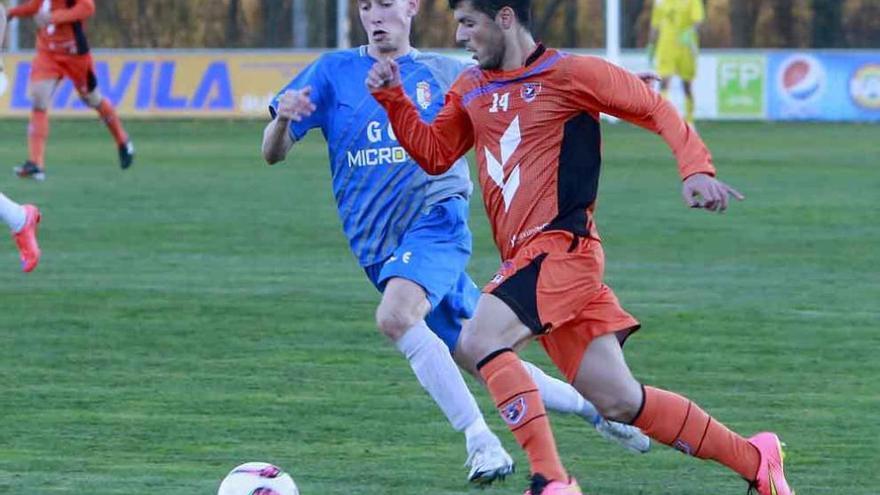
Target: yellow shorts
{"points": [[681, 61]]}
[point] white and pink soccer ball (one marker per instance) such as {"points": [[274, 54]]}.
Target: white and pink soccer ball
{"points": [[257, 478]]}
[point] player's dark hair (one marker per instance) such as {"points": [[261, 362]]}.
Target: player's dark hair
{"points": [[522, 8]]}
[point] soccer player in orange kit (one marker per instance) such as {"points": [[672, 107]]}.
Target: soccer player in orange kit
{"points": [[63, 51], [532, 113]]}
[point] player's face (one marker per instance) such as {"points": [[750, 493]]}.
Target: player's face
{"points": [[480, 35], [387, 22]]}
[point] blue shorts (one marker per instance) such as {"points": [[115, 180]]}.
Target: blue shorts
{"points": [[434, 253]]}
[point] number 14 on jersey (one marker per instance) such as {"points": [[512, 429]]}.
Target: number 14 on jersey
{"points": [[499, 102]]}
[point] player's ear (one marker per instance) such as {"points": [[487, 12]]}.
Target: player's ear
{"points": [[505, 17], [413, 7]]}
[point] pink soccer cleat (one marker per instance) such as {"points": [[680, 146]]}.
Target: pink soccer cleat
{"points": [[26, 239], [771, 476], [540, 486]]}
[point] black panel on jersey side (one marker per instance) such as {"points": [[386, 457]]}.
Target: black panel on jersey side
{"points": [[580, 160], [82, 44]]}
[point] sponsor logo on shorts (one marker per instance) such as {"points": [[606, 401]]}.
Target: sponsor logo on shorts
{"points": [[406, 257], [507, 268], [515, 411]]}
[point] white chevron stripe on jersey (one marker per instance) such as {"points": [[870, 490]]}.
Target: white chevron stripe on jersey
{"points": [[509, 143]]}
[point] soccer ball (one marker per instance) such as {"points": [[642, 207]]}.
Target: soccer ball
{"points": [[257, 478]]}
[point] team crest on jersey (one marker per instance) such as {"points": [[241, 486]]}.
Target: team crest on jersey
{"points": [[530, 91], [423, 94], [515, 411]]}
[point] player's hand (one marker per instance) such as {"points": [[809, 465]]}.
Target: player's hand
{"points": [[383, 74], [295, 104], [708, 193], [43, 19]]}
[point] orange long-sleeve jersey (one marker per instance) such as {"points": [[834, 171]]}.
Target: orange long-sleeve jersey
{"points": [[66, 32], [537, 138]]}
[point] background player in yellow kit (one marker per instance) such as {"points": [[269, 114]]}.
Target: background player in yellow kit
{"points": [[675, 44]]}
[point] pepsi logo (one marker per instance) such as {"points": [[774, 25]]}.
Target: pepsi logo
{"points": [[801, 78]]}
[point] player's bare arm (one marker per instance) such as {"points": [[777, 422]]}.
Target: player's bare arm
{"points": [[293, 106]]}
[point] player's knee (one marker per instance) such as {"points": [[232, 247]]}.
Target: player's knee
{"points": [[466, 362], [93, 99], [39, 101], [620, 406], [393, 322], [475, 346]]}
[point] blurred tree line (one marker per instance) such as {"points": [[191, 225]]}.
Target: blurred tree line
{"points": [[564, 23]]}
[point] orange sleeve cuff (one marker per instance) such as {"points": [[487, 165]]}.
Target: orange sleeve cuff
{"points": [[704, 168], [391, 96]]}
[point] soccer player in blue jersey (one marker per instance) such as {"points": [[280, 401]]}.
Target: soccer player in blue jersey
{"points": [[408, 229]]}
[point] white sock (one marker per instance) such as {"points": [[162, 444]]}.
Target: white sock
{"points": [[12, 213], [478, 434], [561, 397], [439, 375]]}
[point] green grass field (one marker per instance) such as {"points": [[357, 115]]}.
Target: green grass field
{"points": [[202, 309]]}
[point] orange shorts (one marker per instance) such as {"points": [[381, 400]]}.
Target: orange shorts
{"points": [[554, 285], [78, 68]]}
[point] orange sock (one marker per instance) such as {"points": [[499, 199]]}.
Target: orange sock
{"points": [[38, 134], [676, 421], [108, 115], [519, 403]]}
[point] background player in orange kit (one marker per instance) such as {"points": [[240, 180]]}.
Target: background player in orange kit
{"points": [[63, 51], [533, 116]]}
